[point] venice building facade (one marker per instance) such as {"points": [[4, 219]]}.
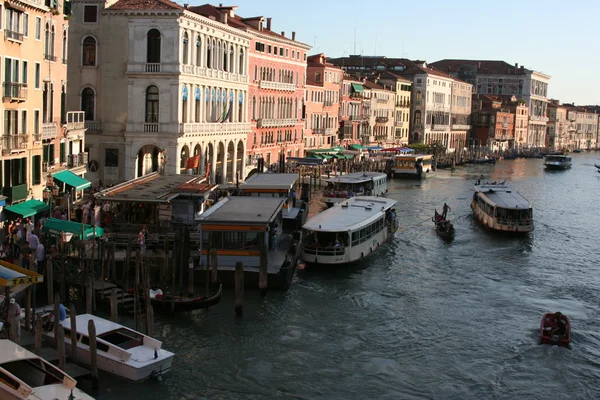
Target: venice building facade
{"points": [[163, 89]]}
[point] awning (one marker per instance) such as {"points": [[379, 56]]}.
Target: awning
{"points": [[305, 161], [357, 88], [12, 275], [374, 148], [326, 156], [28, 208], [358, 146], [58, 226], [72, 180]]}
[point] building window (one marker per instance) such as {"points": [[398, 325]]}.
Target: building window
{"points": [[38, 28], [209, 54], [185, 47], [152, 104], [111, 157], [26, 25], [47, 40], [153, 46], [198, 51], [231, 59], [88, 98], [417, 117], [90, 14], [242, 70], [89, 51], [37, 76], [64, 47], [317, 77]]}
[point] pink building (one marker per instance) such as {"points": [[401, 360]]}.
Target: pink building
{"points": [[353, 120], [277, 72], [324, 91]]}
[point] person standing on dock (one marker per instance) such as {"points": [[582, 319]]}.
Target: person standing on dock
{"points": [[445, 210], [142, 240], [40, 257]]}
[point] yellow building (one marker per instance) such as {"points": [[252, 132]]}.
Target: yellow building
{"points": [[39, 137]]}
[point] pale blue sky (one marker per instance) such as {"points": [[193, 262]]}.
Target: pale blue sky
{"points": [[559, 38]]}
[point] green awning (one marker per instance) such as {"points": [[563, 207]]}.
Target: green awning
{"points": [[57, 226], [326, 156], [338, 148], [72, 180], [347, 156], [28, 208], [357, 88], [358, 146]]}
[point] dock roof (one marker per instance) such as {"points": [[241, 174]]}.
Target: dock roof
{"points": [[270, 181], [356, 177], [360, 212], [243, 210]]}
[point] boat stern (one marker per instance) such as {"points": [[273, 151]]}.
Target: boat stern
{"points": [[146, 363]]}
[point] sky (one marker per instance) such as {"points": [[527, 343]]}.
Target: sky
{"points": [[557, 38]]}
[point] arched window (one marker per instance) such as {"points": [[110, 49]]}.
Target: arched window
{"points": [[231, 55], [185, 48], [209, 50], [152, 104], [88, 102], [254, 107], [47, 41], [198, 51], [153, 42], [418, 116], [89, 51], [52, 37], [241, 69], [64, 47], [256, 72], [419, 96], [225, 58]]}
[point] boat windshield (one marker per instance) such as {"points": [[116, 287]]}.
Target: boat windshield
{"points": [[556, 158], [513, 214], [123, 338], [34, 372]]}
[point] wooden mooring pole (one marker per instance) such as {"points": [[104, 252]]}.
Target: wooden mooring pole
{"points": [[262, 272], [239, 289], [136, 290], [49, 280], [114, 306], [191, 277], [60, 343], [73, 318], [38, 334], [148, 303], [93, 354]]}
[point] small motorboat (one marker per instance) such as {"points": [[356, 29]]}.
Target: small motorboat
{"points": [[443, 227], [547, 326], [182, 303]]}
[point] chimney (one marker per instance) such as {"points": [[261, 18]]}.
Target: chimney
{"points": [[283, 33], [293, 35], [185, 5], [269, 23], [220, 4]]}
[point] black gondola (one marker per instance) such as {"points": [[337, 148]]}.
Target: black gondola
{"points": [[443, 227], [182, 303]]}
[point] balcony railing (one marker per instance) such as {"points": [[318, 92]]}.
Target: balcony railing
{"points": [[399, 123], [93, 126], [48, 130], [329, 131], [318, 131], [16, 192], [36, 137], [49, 57], [381, 120], [176, 68], [276, 85], [270, 123], [458, 127], [214, 127], [539, 118], [437, 127], [327, 103], [15, 91], [382, 101], [77, 160], [14, 142], [75, 120], [12, 35], [151, 127], [357, 95]]}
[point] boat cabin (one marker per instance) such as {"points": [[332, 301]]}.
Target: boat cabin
{"points": [[502, 209], [343, 187], [412, 165]]}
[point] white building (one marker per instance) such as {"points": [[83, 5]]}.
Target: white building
{"points": [[160, 85]]}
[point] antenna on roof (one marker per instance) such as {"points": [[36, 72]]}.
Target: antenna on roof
{"points": [[354, 39]]}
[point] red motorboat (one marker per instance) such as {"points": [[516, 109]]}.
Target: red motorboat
{"points": [[547, 327]]}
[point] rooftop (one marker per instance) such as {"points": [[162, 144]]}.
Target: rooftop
{"points": [[270, 181], [243, 210], [156, 188], [145, 5], [350, 214]]}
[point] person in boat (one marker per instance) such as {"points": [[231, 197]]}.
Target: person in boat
{"points": [[337, 244], [561, 325], [445, 210]]}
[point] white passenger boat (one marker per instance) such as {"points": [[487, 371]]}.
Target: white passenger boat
{"points": [[25, 376], [355, 184], [349, 231], [557, 162], [502, 209], [415, 166], [120, 350]]}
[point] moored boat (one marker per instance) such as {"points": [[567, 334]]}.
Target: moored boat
{"points": [[349, 231], [415, 166], [547, 327], [26, 376], [443, 227], [502, 209], [557, 162], [164, 301], [121, 351], [354, 184]]}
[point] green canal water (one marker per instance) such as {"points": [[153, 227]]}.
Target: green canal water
{"points": [[420, 319]]}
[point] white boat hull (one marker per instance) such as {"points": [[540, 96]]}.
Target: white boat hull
{"points": [[493, 223]]}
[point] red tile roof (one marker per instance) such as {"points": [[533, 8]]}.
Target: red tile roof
{"points": [[489, 67], [145, 5]]}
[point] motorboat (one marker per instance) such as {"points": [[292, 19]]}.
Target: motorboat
{"points": [[547, 326], [501, 209], [26, 376], [349, 231], [120, 350], [414, 166], [557, 162]]}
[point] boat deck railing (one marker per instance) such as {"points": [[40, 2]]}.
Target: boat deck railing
{"points": [[324, 251], [513, 222]]}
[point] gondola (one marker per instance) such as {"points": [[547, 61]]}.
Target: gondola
{"points": [[546, 327], [182, 303], [443, 227]]}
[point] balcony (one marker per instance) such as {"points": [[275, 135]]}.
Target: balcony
{"points": [[151, 127], [357, 95], [176, 68], [16, 193], [50, 57], [75, 120], [77, 160], [538, 118], [15, 92], [271, 123], [381, 120], [214, 127], [13, 143], [276, 85], [48, 130], [458, 127], [36, 137], [13, 36], [330, 131], [93, 126], [437, 127], [399, 123], [318, 131]]}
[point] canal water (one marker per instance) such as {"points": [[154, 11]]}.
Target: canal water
{"points": [[420, 319]]}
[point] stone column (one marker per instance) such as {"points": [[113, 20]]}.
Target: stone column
{"points": [[213, 164], [225, 158]]}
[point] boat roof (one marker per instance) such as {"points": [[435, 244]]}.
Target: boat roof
{"points": [[270, 181], [10, 351], [102, 325], [356, 177], [243, 209], [503, 196], [414, 156], [360, 211]]}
